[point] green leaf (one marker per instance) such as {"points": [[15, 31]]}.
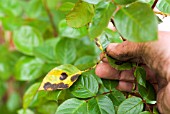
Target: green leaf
{"points": [[72, 106], [110, 84], [164, 6], [3, 89], [92, 1], [100, 105], [103, 13], [124, 2], [13, 101], [86, 86], [140, 75], [42, 97], [60, 77], [81, 14], [11, 23], [119, 65], [65, 51], [34, 9], [137, 22], [148, 93], [28, 68], [66, 31], [117, 97], [85, 60], [26, 111], [46, 51], [145, 112], [29, 95], [26, 38], [133, 105], [10, 8], [109, 36], [47, 108], [66, 6]]}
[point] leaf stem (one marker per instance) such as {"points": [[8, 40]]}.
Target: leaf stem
{"points": [[154, 4], [161, 13], [50, 18]]}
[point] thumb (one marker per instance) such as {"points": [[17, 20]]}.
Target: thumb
{"points": [[125, 51]]}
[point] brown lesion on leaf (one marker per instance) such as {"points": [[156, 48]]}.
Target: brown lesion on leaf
{"points": [[63, 76], [74, 78], [49, 86]]}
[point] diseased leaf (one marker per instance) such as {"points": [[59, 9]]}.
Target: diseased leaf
{"points": [[133, 105], [61, 77], [72, 106], [100, 105], [86, 86], [140, 75], [164, 6], [137, 23], [119, 65], [26, 38], [81, 14], [103, 14]]}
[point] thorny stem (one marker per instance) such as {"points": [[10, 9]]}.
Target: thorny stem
{"points": [[51, 18], [154, 4]]}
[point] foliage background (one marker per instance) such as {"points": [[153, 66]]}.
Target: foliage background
{"points": [[35, 38]]}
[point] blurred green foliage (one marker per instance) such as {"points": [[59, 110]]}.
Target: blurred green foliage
{"points": [[42, 34]]}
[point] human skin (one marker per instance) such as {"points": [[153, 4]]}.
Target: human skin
{"points": [[156, 56]]}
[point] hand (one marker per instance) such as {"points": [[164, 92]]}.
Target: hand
{"points": [[154, 54]]}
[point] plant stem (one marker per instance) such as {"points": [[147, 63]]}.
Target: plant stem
{"points": [[161, 13], [50, 18], [154, 4]]}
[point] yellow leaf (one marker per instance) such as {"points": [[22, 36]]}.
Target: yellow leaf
{"points": [[61, 77]]}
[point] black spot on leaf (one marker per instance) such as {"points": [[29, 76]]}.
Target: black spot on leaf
{"points": [[63, 76], [74, 78], [61, 85]]}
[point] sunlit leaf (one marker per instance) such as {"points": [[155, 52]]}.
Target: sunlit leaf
{"points": [[26, 38], [103, 13], [28, 68], [81, 14], [137, 22], [164, 5]]}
